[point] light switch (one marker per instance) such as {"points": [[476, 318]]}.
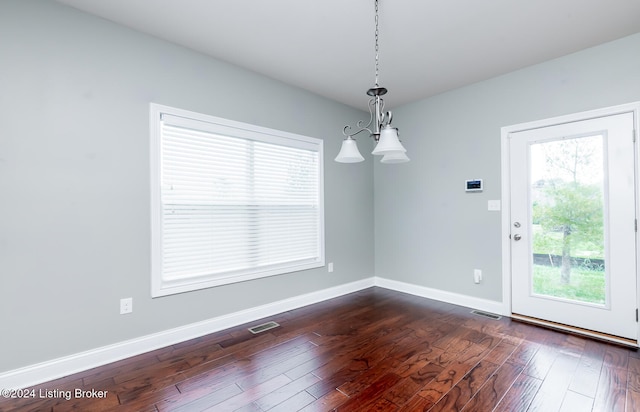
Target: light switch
{"points": [[493, 205]]}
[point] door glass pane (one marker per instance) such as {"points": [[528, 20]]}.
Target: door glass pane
{"points": [[567, 209]]}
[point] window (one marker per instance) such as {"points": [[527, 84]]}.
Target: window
{"points": [[231, 201]]}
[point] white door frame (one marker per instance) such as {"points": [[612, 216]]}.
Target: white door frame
{"points": [[506, 183]]}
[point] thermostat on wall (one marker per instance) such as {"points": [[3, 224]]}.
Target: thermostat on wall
{"points": [[474, 185]]}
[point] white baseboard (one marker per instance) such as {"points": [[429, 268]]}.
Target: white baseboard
{"points": [[442, 296], [42, 372], [57, 368]]}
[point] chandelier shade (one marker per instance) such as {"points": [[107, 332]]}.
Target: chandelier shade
{"points": [[395, 157], [349, 152], [389, 142]]}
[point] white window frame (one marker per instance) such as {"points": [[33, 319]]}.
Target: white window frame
{"points": [[163, 287]]}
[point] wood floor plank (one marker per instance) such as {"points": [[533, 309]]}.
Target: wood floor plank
{"points": [[165, 368], [324, 354], [612, 389], [463, 391], [96, 376], [389, 357], [180, 400], [401, 393], [585, 380], [373, 350], [295, 357], [494, 388], [381, 405], [555, 385], [597, 349], [634, 365], [294, 403], [363, 354], [501, 352], [211, 398], [573, 402], [574, 344], [541, 362], [435, 329], [616, 357], [419, 360], [477, 351], [149, 388], [493, 327], [286, 392], [246, 397], [328, 402], [368, 396], [524, 353], [633, 391], [331, 383], [520, 395], [249, 364], [206, 345], [447, 379], [455, 341], [417, 404]]}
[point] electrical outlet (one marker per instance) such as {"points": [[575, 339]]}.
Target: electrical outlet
{"points": [[330, 267], [477, 275], [126, 305]]}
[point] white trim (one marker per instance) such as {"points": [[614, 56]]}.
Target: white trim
{"points": [[633, 107], [208, 275], [49, 370], [506, 222], [238, 128], [57, 368], [440, 295], [590, 114]]}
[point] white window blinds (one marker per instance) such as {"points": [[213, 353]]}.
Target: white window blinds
{"points": [[236, 202]]}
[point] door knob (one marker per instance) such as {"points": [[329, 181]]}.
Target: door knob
{"points": [[517, 237]]}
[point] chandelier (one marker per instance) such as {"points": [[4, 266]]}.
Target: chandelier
{"points": [[379, 126]]}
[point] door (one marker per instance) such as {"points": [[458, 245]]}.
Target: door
{"points": [[573, 224]]}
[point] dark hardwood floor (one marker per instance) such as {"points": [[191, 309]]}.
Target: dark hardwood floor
{"points": [[375, 350]]}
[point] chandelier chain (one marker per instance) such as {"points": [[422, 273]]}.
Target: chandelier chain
{"points": [[376, 35]]}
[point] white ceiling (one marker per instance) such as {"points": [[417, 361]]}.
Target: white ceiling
{"points": [[426, 46]]}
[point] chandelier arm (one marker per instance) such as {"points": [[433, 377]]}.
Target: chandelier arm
{"points": [[359, 126]]}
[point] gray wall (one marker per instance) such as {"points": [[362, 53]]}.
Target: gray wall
{"points": [[429, 232], [74, 180], [74, 175]]}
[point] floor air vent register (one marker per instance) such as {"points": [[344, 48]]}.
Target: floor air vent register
{"points": [[486, 315], [263, 327]]}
